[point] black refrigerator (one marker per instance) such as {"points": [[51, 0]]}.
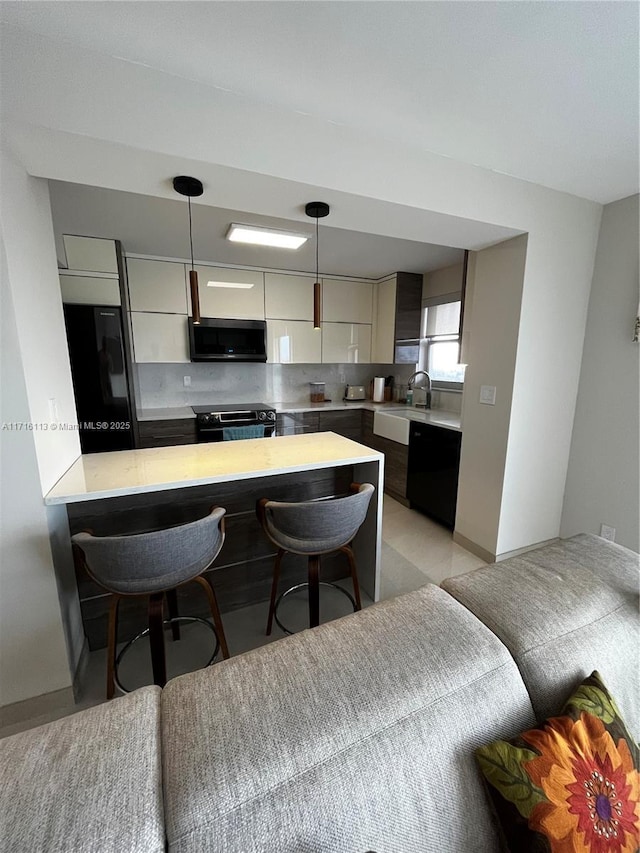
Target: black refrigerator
{"points": [[99, 373]]}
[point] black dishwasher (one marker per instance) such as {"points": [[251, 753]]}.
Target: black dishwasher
{"points": [[432, 478]]}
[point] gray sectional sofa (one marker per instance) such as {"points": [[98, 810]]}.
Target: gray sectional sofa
{"points": [[355, 736]]}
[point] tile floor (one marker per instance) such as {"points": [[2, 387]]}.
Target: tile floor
{"points": [[415, 551]]}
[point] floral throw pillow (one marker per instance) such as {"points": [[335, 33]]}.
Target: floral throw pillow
{"points": [[570, 785]]}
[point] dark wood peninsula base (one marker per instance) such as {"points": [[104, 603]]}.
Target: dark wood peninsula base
{"points": [[141, 490]]}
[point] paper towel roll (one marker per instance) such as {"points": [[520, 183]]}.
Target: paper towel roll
{"points": [[378, 389]]}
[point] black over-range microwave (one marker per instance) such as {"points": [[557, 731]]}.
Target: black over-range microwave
{"points": [[227, 340]]}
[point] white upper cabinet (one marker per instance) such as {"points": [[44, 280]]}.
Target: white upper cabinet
{"points": [[90, 290], [288, 297], [156, 286], [293, 342], [383, 345], [229, 293], [346, 343], [347, 301], [90, 253], [160, 338]]}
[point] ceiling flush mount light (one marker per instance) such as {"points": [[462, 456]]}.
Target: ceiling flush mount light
{"points": [[318, 210], [260, 236], [191, 187], [242, 285]]}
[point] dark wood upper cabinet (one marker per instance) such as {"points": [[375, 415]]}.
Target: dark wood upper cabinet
{"points": [[408, 305], [408, 317]]}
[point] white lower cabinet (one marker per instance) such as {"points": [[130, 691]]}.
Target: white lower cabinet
{"points": [[293, 342], [159, 337], [346, 343]]}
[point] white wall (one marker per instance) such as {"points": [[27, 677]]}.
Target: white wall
{"points": [[35, 368], [602, 483], [494, 288], [33, 658], [443, 281], [25, 215]]}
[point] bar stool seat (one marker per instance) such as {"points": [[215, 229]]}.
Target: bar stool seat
{"points": [[314, 528], [154, 565]]}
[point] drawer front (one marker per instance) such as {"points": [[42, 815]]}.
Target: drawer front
{"points": [[166, 433], [348, 424], [296, 423]]}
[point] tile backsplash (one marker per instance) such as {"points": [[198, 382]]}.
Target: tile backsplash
{"points": [[162, 385]]}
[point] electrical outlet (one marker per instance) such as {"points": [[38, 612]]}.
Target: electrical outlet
{"points": [[53, 409], [342, 376], [187, 381], [488, 395], [608, 532]]}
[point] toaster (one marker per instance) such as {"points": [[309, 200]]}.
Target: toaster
{"points": [[354, 392]]}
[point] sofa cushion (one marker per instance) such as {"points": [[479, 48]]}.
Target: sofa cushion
{"points": [[357, 735], [88, 782], [564, 610], [572, 783]]}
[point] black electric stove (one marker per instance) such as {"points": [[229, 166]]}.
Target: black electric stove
{"points": [[212, 420]]}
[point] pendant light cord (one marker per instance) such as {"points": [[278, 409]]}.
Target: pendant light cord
{"points": [[190, 233], [317, 251]]}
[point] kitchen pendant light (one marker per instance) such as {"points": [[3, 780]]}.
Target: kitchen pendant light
{"points": [[191, 187], [318, 210]]}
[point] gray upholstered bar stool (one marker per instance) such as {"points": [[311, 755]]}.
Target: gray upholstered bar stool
{"points": [[153, 565], [314, 528]]}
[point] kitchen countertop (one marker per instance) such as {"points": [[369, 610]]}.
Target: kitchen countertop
{"points": [[439, 417], [435, 417], [127, 472]]}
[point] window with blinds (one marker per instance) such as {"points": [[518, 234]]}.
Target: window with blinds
{"points": [[440, 339]]}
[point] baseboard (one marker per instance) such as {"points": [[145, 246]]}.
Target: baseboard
{"points": [[507, 554], [36, 706], [488, 556], [476, 549]]}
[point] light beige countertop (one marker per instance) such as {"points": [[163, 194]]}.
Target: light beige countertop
{"points": [[435, 417], [127, 472], [186, 412], [440, 416]]}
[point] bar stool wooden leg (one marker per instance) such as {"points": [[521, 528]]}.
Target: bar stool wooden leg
{"points": [[111, 644], [354, 574], [274, 588], [314, 591], [215, 612], [172, 607], [156, 638]]}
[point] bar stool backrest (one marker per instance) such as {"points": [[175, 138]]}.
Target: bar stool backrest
{"points": [[155, 561], [317, 527]]}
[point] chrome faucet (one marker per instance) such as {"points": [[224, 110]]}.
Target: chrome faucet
{"points": [[426, 388]]}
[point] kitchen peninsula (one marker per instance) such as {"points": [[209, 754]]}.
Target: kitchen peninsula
{"points": [[131, 491]]}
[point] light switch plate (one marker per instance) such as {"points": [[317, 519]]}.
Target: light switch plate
{"points": [[608, 532], [187, 381], [488, 394]]}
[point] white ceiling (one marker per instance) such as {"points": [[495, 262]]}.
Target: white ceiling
{"points": [[159, 226], [543, 91]]}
